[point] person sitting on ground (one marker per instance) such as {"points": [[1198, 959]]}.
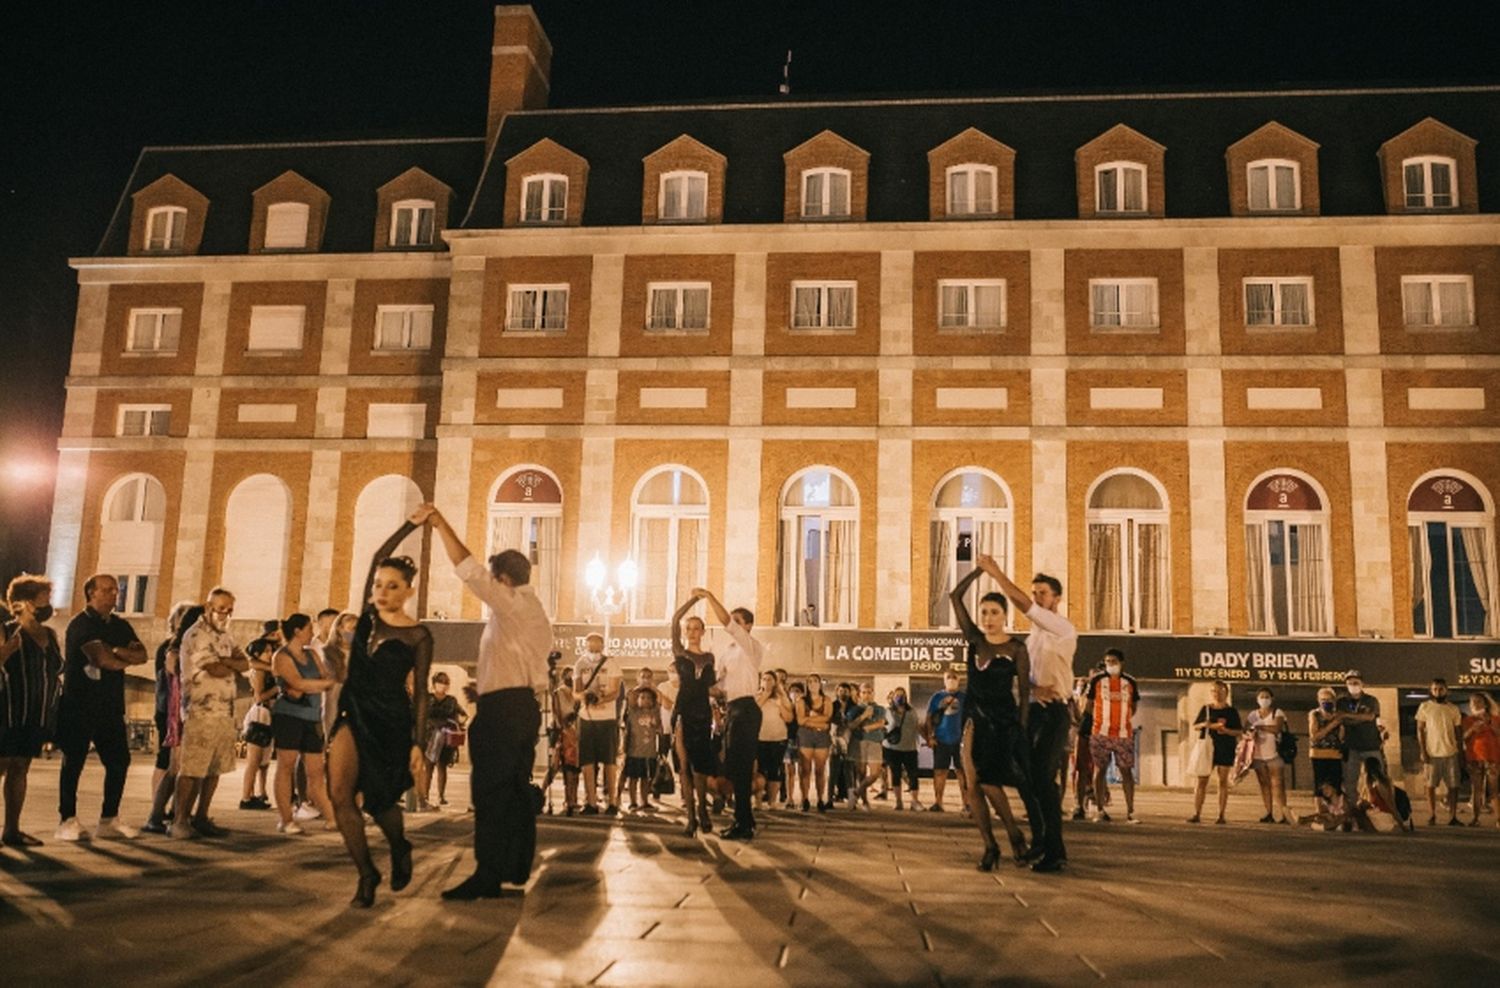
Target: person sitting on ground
{"points": [[1440, 742], [642, 728], [1482, 750], [1335, 812], [1266, 723], [1380, 795], [1221, 722]]}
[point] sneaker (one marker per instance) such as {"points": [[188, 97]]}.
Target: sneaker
{"points": [[935, 808], [181, 831], [1453, 822], [305, 812], [71, 830], [250, 804], [153, 827], [1078, 814], [111, 827], [611, 810], [1268, 818], [207, 828], [290, 829], [1103, 817], [591, 810], [1132, 818]]}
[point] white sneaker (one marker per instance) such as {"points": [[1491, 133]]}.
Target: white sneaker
{"points": [[1132, 818], [306, 811], [112, 827], [71, 830], [290, 829], [181, 831]]}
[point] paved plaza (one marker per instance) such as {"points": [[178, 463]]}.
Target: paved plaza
{"points": [[840, 898]]}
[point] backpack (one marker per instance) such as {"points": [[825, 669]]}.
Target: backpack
{"points": [[1286, 745]]}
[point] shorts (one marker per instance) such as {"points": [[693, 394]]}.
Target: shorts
{"points": [[23, 742], [598, 742], [812, 739], [945, 756], [638, 768], [297, 734], [163, 752], [1441, 771], [1102, 747], [1273, 764], [770, 760], [871, 753], [207, 747], [899, 761], [1329, 770], [260, 735]]}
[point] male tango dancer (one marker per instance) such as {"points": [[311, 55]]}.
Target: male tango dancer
{"points": [[739, 678]]}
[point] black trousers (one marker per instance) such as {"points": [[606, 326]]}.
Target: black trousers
{"points": [[78, 726], [741, 740], [502, 743], [1047, 724]]}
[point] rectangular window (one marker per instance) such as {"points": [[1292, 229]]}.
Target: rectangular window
{"points": [[286, 225], [276, 328], [971, 190], [678, 307], [825, 193], [537, 308], [1429, 183], [684, 196], [144, 420], [1441, 301], [1278, 302], [1125, 303], [978, 305], [544, 199], [403, 327], [412, 223], [1273, 185], [165, 226], [823, 305], [154, 331], [1121, 188], [137, 593]]}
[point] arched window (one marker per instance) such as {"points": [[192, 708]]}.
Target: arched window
{"points": [[130, 539], [1129, 554], [971, 190], [1288, 587], [825, 193], [1274, 184], [818, 550], [668, 540], [971, 517], [526, 514], [378, 511], [165, 228], [683, 196], [1120, 187], [286, 225], [257, 533], [1451, 526]]}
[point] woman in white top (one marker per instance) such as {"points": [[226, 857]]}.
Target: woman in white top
{"points": [[770, 750], [1266, 724]]}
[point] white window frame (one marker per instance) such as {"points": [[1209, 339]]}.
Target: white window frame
{"points": [[407, 312], [1121, 284], [250, 347], [965, 174], [540, 290], [1120, 169], [1432, 283], [530, 515], [303, 209], [825, 209], [1273, 203], [823, 288], [552, 211], [176, 231], [160, 313], [1263, 624], [678, 288], [1277, 313], [675, 515], [1426, 197], [666, 202], [138, 582], [970, 285], [1129, 522], [787, 611], [1483, 521], [415, 207], [149, 413], [956, 516]]}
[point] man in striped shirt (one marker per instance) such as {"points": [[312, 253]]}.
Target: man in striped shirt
{"points": [[1112, 701]]}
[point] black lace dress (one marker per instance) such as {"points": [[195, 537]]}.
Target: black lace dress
{"points": [[375, 704], [694, 711], [999, 747]]}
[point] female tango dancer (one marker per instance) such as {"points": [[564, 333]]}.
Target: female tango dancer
{"points": [[692, 717], [996, 752], [376, 747]]}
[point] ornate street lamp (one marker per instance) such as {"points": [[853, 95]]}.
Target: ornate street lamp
{"points": [[609, 599]]}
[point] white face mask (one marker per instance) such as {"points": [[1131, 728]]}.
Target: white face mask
{"points": [[1264, 701], [1112, 669]]}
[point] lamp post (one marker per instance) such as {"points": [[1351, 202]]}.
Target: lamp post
{"points": [[609, 599]]}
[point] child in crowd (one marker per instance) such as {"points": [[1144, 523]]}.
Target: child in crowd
{"points": [[642, 731]]}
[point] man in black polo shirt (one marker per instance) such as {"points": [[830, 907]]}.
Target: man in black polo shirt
{"points": [[99, 646]]}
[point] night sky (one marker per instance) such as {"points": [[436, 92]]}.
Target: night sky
{"points": [[83, 86]]}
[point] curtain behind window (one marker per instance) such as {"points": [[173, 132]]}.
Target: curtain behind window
{"points": [[652, 550], [805, 308], [546, 573], [1105, 592], [1255, 577], [939, 567], [841, 307], [1474, 596], [1151, 578], [692, 557], [1307, 577], [839, 575]]}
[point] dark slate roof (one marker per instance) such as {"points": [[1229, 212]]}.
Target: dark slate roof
{"points": [[1196, 129], [350, 172]]}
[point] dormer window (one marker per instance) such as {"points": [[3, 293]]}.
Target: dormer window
{"points": [[411, 223], [286, 226], [1274, 185], [825, 193], [971, 190], [544, 199], [684, 196], [1429, 183], [1120, 187], [165, 226]]}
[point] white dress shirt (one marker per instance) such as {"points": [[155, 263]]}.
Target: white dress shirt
{"points": [[517, 636], [1050, 646], [738, 668]]}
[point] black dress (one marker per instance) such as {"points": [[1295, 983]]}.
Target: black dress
{"points": [[694, 711], [374, 703], [1001, 750], [30, 685]]}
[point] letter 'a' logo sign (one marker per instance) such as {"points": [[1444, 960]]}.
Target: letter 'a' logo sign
{"points": [[529, 487], [1445, 494], [1283, 492]]}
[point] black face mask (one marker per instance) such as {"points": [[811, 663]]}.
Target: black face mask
{"points": [[1440, 699], [44, 613]]}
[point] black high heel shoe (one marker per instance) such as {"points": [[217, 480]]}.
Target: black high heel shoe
{"points": [[401, 866], [691, 830], [364, 895], [991, 856]]}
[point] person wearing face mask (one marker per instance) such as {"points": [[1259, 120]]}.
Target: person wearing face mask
{"points": [[1266, 723], [210, 659], [1113, 697], [30, 684], [1482, 750], [1440, 739], [1325, 742], [1361, 720]]}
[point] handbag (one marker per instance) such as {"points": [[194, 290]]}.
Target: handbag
{"points": [[454, 737], [258, 713], [1200, 759], [663, 784], [1286, 745]]}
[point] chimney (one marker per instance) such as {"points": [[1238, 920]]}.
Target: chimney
{"points": [[520, 65]]}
